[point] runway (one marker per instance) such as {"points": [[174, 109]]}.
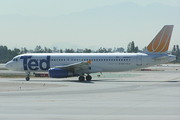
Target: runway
{"points": [[144, 95]]}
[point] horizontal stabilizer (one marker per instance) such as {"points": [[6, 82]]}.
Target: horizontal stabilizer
{"points": [[160, 58]]}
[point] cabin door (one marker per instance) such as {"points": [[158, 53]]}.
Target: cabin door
{"points": [[139, 60]]}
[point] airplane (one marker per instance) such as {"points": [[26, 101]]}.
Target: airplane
{"points": [[63, 65]]}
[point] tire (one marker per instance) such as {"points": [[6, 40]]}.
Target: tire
{"points": [[88, 78], [27, 78], [81, 78]]}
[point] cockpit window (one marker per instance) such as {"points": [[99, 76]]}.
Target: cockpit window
{"points": [[15, 59]]}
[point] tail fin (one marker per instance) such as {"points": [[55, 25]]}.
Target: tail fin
{"points": [[160, 43]]}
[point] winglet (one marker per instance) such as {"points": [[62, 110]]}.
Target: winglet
{"points": [[89, 62], [160, 43]]}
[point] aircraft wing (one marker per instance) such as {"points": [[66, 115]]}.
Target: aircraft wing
{"points": [[75, 66]]}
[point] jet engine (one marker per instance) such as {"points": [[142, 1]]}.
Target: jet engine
{"points": [[59, 73]]}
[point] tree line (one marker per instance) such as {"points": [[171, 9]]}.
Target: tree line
{"points": [[7, 54], [176, 51]]}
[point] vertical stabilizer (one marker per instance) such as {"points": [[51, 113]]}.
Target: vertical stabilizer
{"points": [[160, 43]]}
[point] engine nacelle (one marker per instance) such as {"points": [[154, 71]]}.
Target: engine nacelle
{"points": [[59, 73]]}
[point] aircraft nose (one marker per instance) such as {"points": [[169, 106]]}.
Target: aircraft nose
{"points": [[8, 65]]}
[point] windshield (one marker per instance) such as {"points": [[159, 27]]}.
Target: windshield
{"points": [[15, 59]]}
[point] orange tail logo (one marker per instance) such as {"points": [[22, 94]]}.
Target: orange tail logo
{"points": [[161, 42]]}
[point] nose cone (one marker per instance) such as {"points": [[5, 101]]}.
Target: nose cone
{"points": [[8, 65]]}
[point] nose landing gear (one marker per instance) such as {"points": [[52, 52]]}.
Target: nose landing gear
{"points": [[27, 78]]}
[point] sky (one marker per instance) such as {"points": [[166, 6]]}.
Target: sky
{"points": [[52, 8], [58, 7]]}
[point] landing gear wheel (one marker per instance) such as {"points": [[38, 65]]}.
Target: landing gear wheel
{"points": [[88, 78], [27, 78], [81, 78]]}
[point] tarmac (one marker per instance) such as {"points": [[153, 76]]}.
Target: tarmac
{"points": [[142, 95]]}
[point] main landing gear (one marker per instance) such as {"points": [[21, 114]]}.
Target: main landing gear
{"points": [[28, 78], [82, 78]]}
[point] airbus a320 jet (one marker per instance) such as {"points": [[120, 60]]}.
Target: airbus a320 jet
{"points": [[63, 65]]}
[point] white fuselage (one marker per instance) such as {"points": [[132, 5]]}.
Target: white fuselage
{"points": [[101, 62]]}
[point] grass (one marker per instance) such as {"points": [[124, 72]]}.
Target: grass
{"points": [[13, 76], [3, 69], [94, 75]]}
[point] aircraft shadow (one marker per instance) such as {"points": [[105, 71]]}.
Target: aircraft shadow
{"points": [[92, 81], [76, 81]]}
